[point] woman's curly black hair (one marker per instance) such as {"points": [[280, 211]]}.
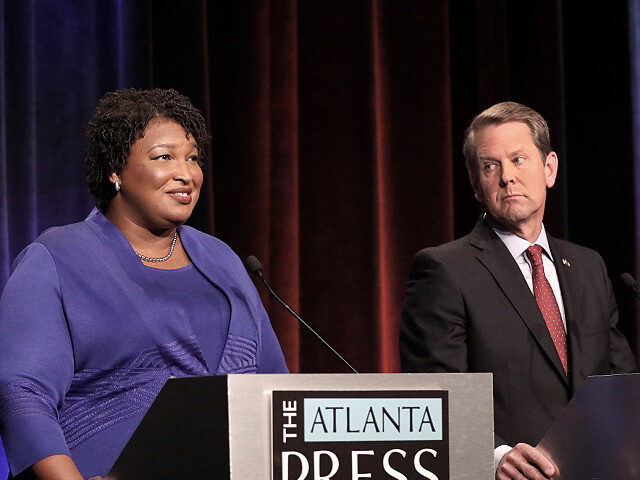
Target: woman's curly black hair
{"points": [[120, 119]]}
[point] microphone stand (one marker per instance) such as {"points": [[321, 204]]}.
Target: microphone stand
{"points": [[255, 267]]}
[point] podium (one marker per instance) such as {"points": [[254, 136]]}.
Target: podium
{"points": [[315, 427], [597, 435]]}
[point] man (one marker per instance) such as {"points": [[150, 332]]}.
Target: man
{"points": [[537, 312]]}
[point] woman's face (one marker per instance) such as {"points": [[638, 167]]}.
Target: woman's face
{"points": [[161, 179]]}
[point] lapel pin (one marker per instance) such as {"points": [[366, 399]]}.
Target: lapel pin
{"points": [[566, 262]]}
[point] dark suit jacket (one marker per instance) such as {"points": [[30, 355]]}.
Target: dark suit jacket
{"points": [[468, 309]]}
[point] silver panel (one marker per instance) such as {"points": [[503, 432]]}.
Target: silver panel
{"points": [[470, 415]]}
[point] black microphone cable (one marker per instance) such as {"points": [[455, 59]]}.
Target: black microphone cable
{"points": [[255, 267]]}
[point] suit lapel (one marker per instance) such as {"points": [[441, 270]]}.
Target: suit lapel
{"points": [[572, 309], [496, 258]]}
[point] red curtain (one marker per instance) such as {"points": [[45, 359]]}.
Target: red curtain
{"points": [[336, 133], [323, 128]]}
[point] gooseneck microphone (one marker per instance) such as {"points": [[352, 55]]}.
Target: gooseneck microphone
{"points": [[255, 267], [630, 282]]}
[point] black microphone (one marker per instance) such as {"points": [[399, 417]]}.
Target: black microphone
{"points": [[630, 282], [255, 267]]}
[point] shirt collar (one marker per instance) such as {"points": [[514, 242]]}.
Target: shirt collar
{"points": [[517, 245]]}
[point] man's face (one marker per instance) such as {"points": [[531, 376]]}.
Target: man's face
{"points": [[511, 178]]}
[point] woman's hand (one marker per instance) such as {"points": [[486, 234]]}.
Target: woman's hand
{"points": [[56, 467]]}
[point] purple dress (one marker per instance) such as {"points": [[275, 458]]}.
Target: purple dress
{"points": [[88, 336]]}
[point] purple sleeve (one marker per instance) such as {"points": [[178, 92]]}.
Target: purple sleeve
{"points": [[271, 359], [36, 361]]}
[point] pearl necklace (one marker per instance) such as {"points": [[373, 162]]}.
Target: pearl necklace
{"points": [[160, 259]]}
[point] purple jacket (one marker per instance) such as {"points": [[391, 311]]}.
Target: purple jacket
{"points": [[86, 345]]}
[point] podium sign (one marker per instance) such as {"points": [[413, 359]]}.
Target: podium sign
{"points": [[360, 434], [433, 426]]}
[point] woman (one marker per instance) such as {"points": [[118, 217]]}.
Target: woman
{"points": [[97, 315]]}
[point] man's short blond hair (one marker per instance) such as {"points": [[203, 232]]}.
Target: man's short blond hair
{"points": [[502, 113]]}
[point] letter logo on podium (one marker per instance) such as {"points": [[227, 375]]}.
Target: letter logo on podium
{"points": [[355, 435]]}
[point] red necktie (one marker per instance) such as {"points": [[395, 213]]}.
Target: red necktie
{"points": [[547, 303]]}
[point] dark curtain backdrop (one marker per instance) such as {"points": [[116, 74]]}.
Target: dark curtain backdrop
{"points": [[336, 132]]}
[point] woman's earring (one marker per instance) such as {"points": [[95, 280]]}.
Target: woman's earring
{"points": [[117, 185]]}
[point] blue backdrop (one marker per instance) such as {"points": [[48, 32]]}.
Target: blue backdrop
{"points": [[56, 60]]}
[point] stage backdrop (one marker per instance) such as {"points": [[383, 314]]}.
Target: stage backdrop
{"points": [[336, 132]]}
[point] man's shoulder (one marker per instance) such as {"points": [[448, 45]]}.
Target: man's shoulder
{"points": [[463, 248], [451, 249], [451, 256], [566, 249]]}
